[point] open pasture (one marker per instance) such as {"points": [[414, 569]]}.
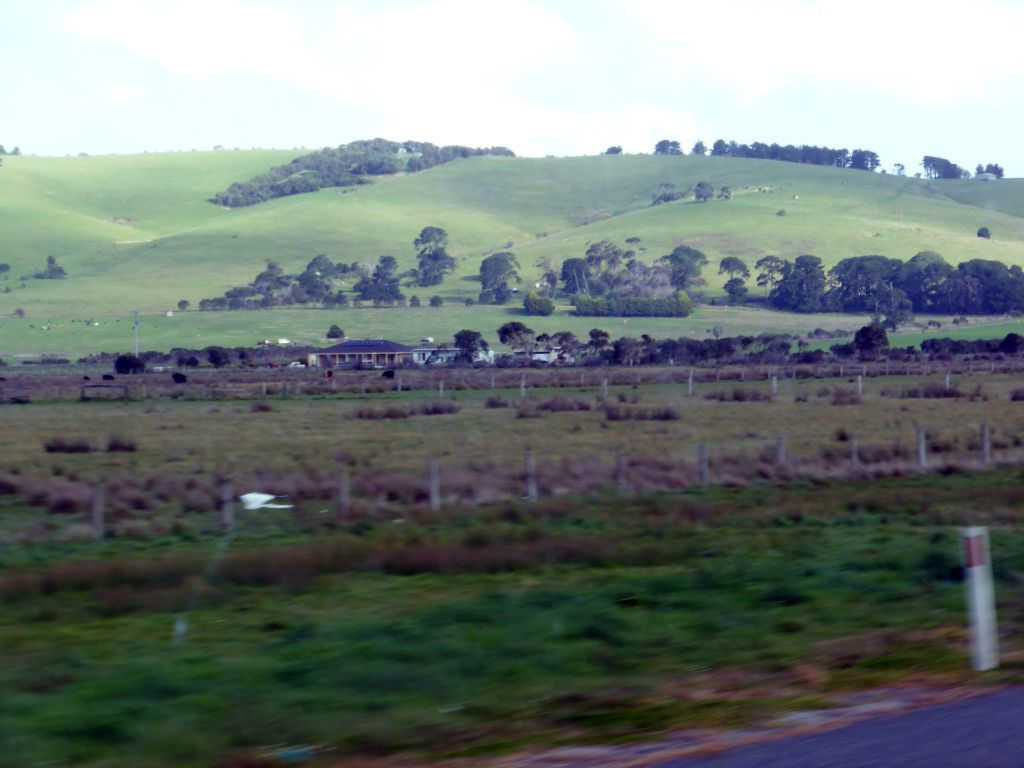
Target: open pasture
{"points": [[423, 615]]}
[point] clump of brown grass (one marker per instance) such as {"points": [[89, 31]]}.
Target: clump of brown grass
{"points": [[61, 445]]}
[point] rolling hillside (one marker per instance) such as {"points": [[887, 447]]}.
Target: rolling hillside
{"points": [[138, 232]]}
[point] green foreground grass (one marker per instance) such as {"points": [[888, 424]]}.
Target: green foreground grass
{"points": [[734, 620]]}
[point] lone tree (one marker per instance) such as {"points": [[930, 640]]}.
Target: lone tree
{"points": [[703, 191], [616, 150], [335, 332], [432, 256], [183, 305], [699, 148], [436, 301], [983, 232], [4, 269]]}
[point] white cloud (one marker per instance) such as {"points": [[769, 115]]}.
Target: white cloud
{"points": [[926, 52]]}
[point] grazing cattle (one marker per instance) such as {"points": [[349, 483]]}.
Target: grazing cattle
{"points": [[179, 378], [86, 378], [108, 377], [388, 375]]}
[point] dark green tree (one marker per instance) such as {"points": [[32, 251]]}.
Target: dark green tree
{"points": [[685, 264], [495, 273], [218, 356], [516, 335], [699, 148], [381, 287], [733, 266], [616, 150], [802, 286], [870, 341], [432, 257], [983, 232], [736, 289], [703, 191], [769, 272], [436, 301], [128, 364], [335, 332], [667, 147], [538, 305], [469, 343]]}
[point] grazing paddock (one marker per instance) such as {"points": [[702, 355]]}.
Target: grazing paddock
{"points": [[417, 602]]}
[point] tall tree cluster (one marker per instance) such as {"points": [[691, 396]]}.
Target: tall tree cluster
{"points": [[892, 288]]}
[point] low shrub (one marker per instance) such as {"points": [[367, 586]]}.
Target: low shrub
{"points": [[842, 396], [495, 402], [118, 444], [739, 395], [60, 445]]}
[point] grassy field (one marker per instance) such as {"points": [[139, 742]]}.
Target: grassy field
{"points": [[137, 232], [627, 601], [74, 337]]}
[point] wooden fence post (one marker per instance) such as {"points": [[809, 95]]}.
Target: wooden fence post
{"points": [[530, 471], [344, 492], [522, 385], [689, 384], [621, 481], [98, 498], [435, 485], [922, 447], [227, 507]]}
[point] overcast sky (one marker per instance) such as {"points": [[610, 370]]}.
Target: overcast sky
{"points": [[904, 79]]}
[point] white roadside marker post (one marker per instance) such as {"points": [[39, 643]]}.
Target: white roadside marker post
{"points": [[981, 604]]}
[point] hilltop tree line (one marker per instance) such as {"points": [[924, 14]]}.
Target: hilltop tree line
{"points": [[892, 288], [13, 152], [809, 154], [860, 159], [345, 166]]}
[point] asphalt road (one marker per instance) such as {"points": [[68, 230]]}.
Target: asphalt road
{"points": [[986, 731]]}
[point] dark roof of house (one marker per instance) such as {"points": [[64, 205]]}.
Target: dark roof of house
{"points": [[357, 346]]}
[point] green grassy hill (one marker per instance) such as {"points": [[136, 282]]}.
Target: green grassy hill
{"points": [[138, 232]]}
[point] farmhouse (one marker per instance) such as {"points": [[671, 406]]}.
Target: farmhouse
{"points": [[376, 353]]}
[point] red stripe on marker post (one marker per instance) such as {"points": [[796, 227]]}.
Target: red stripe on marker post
{"points": [[974, 551]]}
